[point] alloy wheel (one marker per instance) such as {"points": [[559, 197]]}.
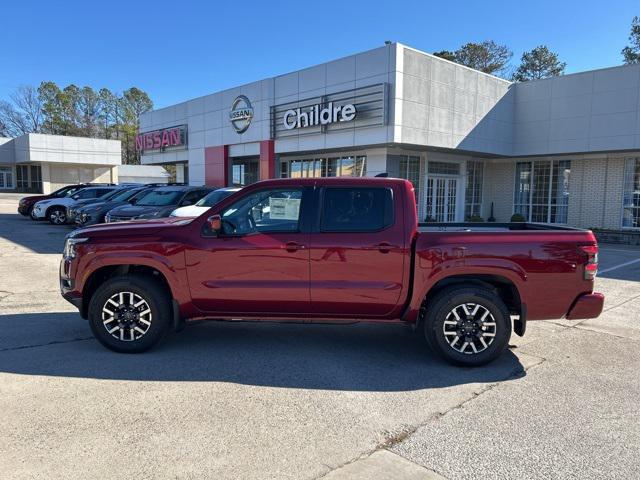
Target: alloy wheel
{"points": [[126, 316], [469, 328], [58, 217]]}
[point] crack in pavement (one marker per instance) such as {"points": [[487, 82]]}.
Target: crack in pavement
{"points": [[406, 432], [55, 342]]}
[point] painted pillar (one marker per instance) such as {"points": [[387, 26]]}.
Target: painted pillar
{"points": [[216, 166], [267, 160]]}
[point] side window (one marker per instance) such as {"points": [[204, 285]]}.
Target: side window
{"points": [[274, 210], [192, 197], [356, 209]]}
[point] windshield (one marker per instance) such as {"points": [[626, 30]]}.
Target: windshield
{"points": [[160, 198], [124, 196], [65, 192], [213, 198], [109, 195]]}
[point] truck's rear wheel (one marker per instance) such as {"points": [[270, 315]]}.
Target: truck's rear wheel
{"points": [[130, 314], [467, 325]]}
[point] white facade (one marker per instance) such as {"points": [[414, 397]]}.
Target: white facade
{"points": [[43, 163], [436, 113]]}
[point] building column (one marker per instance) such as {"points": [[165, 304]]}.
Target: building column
{"points": [[267, 160], [216, 166]]}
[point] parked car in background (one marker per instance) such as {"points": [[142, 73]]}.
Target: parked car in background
{"points": [[158, 203], [25, 206], [339, 250], [55, 209], [95, 212], [72, 209], [205, 203]]}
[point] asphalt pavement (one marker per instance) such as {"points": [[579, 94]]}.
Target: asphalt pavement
{"points": [[247, 400]]}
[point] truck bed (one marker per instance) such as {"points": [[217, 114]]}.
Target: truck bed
{"points": [[492, 227]]}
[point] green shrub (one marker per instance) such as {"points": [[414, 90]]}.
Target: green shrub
{"points": [[475, 218], [518, 217]]}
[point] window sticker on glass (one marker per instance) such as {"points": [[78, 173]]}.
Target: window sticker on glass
{"points": [[284, 208]]}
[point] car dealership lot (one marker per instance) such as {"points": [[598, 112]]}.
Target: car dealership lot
{"points": [[224, 400]]}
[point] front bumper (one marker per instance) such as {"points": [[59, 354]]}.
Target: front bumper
{"points": [[586, 306], [38, 212], [67, 287], [23, 210]]}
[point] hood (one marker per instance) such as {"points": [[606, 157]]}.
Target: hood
{"points": [[131, 211], [106, 205], [189, 211], [86, 201], [131, 228], [34, 198]]}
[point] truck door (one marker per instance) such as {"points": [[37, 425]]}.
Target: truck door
{"points": [[357, 252], [259, 263]]}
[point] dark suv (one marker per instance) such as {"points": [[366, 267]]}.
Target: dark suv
{"points": [[158, 203], [26, 203]]}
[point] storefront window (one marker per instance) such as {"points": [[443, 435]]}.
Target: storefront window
{"points": [[409, 166], [631, 199], [6, 177], [473, 193], [542, 190], [347, 166], [244, 171]]}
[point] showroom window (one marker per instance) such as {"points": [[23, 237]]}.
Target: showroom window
{"points": [[6, 177], [345, 166], [409, 169], [473, 192], [542, 190], [631, 199]]}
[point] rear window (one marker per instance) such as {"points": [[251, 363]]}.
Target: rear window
{"points": [[356, 209]]}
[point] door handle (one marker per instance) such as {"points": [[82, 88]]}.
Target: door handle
{"points": [[385, 247], [293, 246]]}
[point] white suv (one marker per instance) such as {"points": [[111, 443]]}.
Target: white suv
{"points": [[55, 209]]}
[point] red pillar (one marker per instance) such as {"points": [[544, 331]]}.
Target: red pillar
{"points": [[267, 160], [216, 166]]}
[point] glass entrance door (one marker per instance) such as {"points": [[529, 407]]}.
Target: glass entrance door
{"points": [[441, 199]]}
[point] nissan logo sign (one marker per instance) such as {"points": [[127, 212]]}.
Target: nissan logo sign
{"points": [[241, 114]]}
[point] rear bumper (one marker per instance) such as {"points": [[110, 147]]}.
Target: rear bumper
{"points": [[586, 306]]}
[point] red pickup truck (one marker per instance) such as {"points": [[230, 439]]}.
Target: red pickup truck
{"points": [[338, 250]]}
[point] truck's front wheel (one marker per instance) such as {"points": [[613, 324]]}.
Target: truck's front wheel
{"points": [[129, 314], [467, 325]]}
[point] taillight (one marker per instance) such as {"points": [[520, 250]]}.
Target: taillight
{"points": [[591, 267]]}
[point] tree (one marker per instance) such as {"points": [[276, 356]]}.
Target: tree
{"points": [[631, 53], [488, 56], [446, 54], [22, 114], [539, 63]]}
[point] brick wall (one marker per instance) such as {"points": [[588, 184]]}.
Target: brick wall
{"points": [[595, 190]]}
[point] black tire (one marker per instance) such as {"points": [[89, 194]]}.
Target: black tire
{"points": [[147, 288], [441, 308], [57, 215]]}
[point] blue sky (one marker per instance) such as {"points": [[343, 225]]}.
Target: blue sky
{"points": [[183, 49]]}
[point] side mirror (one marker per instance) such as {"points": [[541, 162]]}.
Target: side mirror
{"points": [[215, 223]]}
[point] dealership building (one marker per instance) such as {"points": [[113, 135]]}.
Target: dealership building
{"points": [[41, 163], [562, 150]]}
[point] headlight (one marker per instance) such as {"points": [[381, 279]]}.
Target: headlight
{"points": [[70, 246]]}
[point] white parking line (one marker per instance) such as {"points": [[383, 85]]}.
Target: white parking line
{"points": [[625, 264]]}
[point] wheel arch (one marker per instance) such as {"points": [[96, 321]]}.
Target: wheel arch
{"points": [[504, 288], [103, 273]]}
